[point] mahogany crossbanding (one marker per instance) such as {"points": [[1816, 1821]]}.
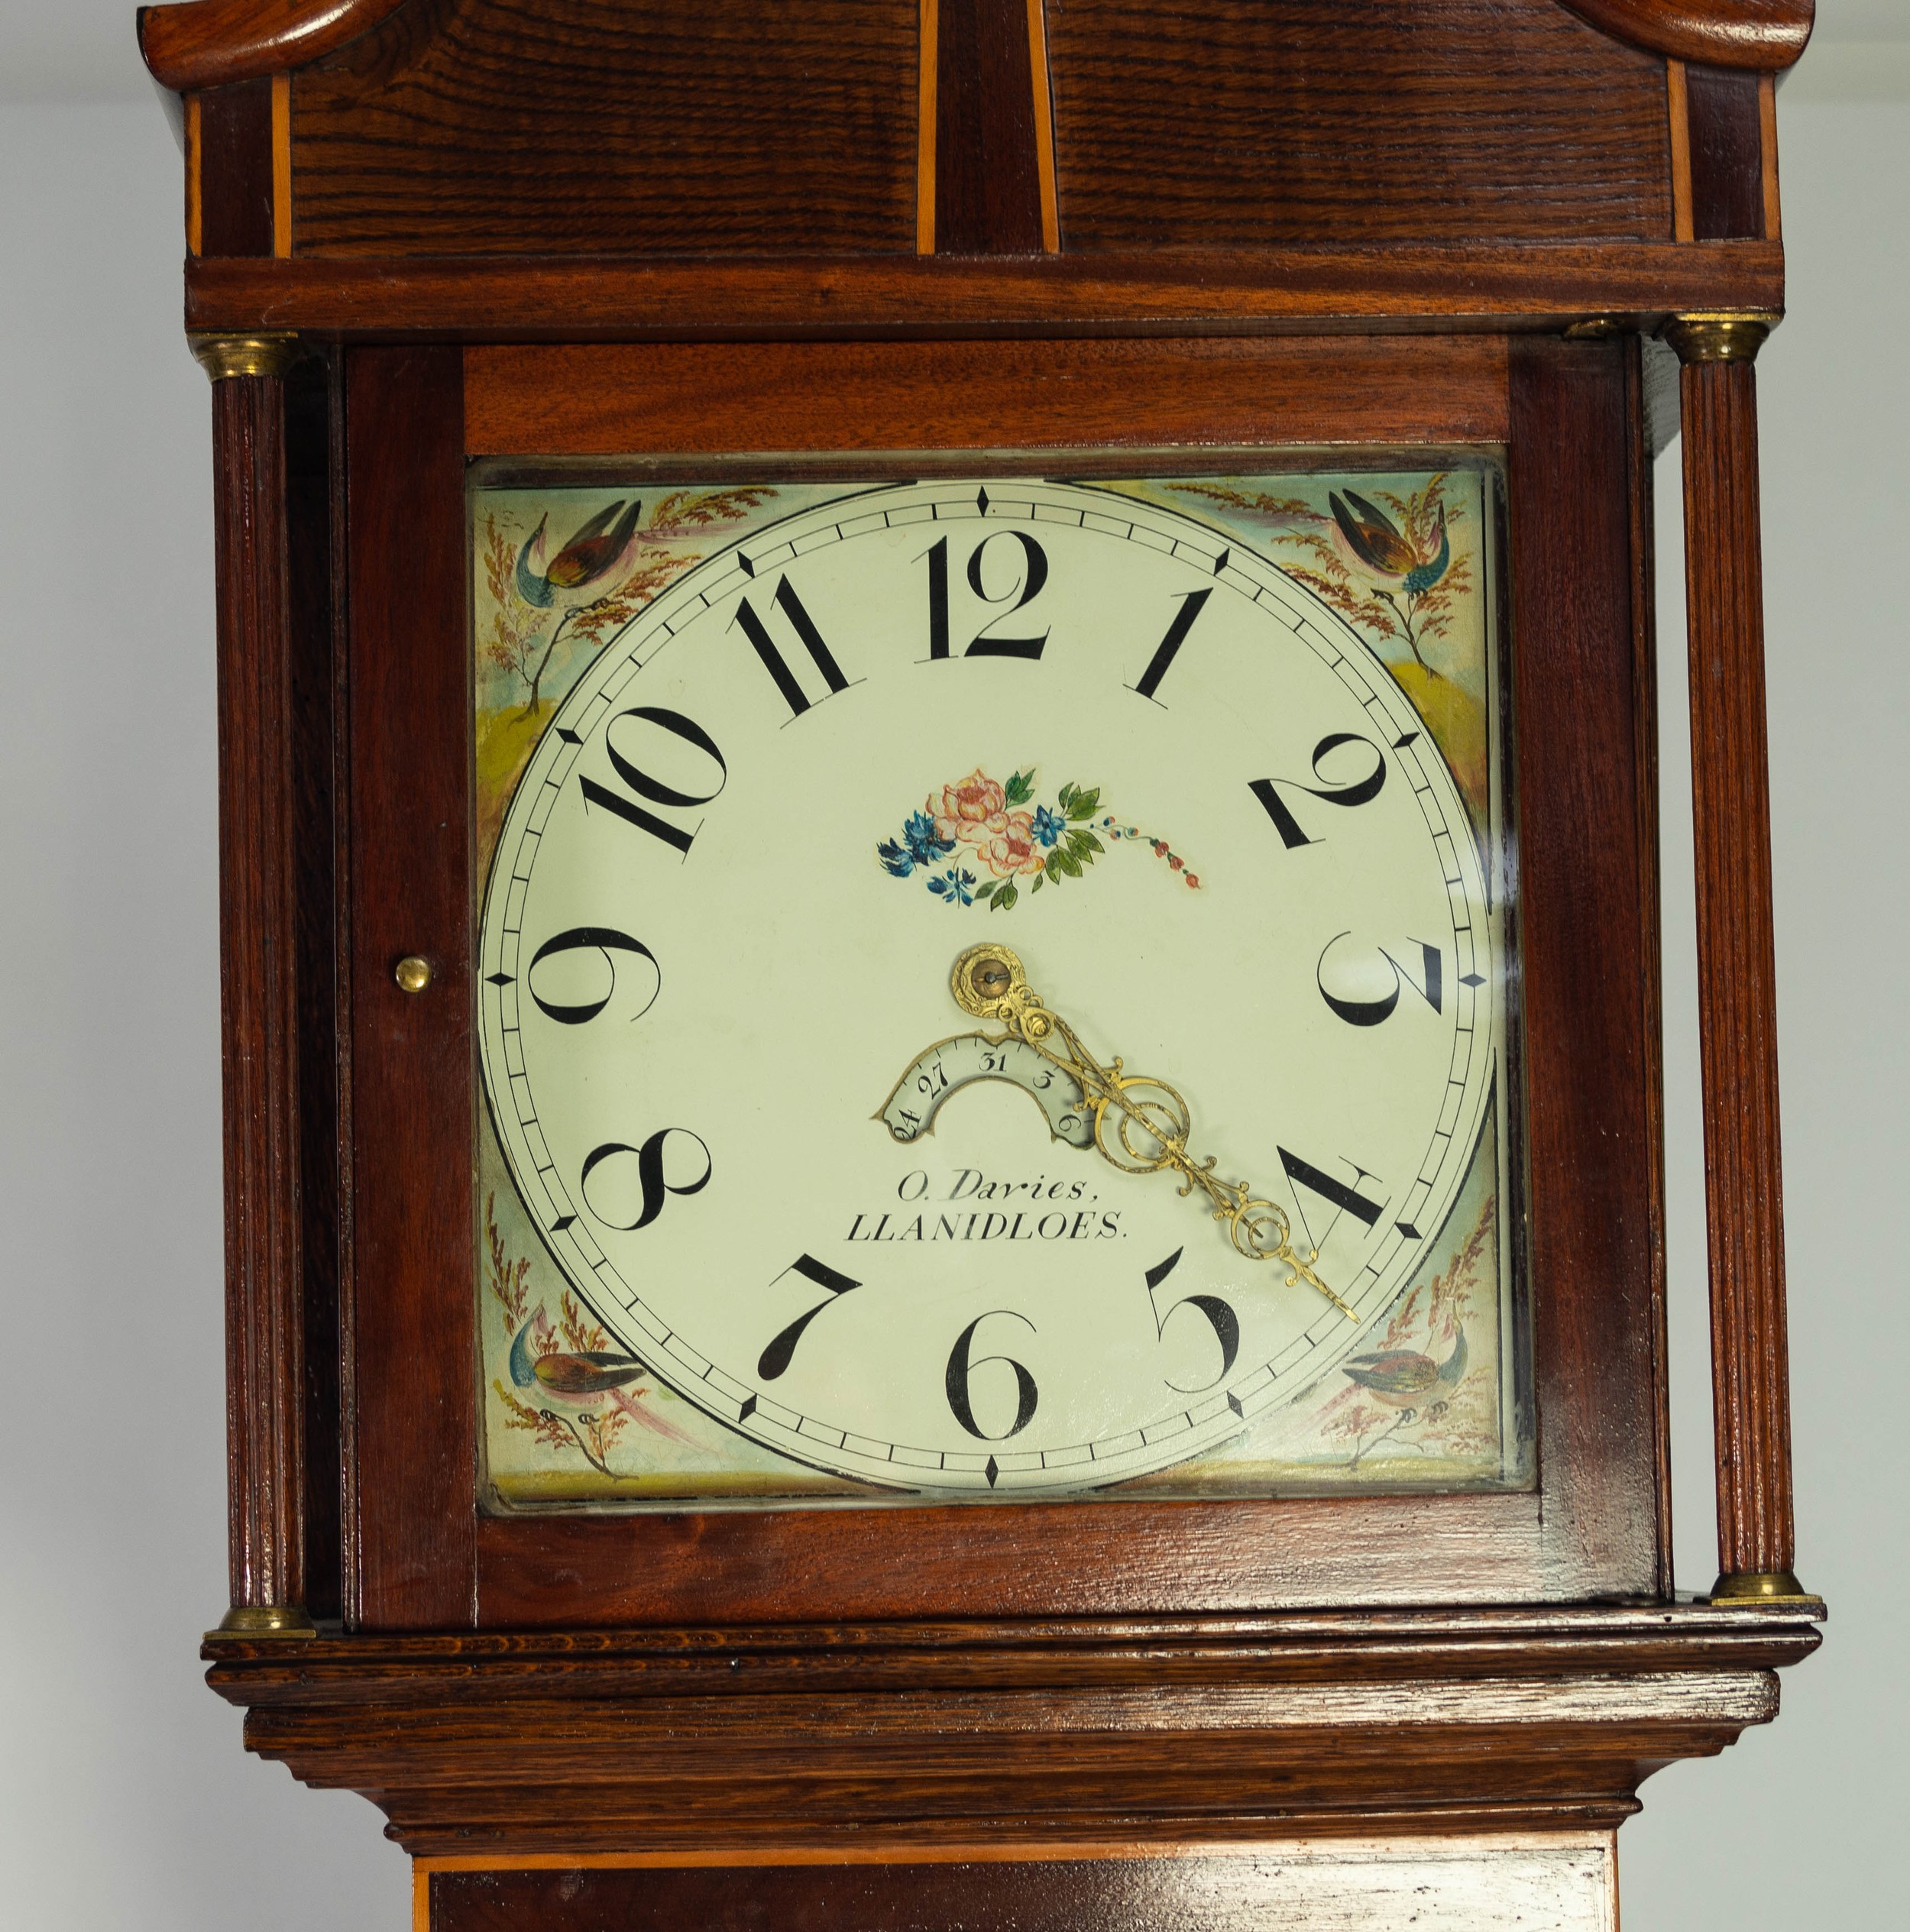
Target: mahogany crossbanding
{"points": [[1192, 292]]}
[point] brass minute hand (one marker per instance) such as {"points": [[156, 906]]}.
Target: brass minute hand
{"points": [[1140, 1125]]}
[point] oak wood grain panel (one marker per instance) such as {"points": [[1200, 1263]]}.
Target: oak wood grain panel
{"points": [[1501, 1884], [988, 191], [1343, 122], [664, 398], [1727, 154], [1304, 291], [1763, 34], [1586, 931], [410, 1360], [234, 162], [473, 127], [1736, 969], [260, 1034], [207, 43]]}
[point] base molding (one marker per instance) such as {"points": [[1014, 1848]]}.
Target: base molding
{"points": [[887, 1739]]}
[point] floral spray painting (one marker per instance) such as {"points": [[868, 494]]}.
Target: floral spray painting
{"points": [[1431, 1399]]}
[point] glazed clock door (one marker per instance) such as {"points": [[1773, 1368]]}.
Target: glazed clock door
{"points": [[720, 1250], [774, 1207]]}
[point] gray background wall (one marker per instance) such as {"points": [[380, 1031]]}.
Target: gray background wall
{"points": [[125, 1800]]}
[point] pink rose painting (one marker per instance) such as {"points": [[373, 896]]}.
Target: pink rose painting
{"points": [[979, 824]]}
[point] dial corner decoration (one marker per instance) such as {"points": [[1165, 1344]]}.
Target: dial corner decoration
{"points": [[757, 1225]]}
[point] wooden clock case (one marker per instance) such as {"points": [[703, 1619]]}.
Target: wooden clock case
{"points": [[419, 233]]}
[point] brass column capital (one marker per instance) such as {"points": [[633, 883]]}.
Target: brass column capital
{"points": [[264, 1620], [1761, 1587], [1720, 336], [222, 356]]}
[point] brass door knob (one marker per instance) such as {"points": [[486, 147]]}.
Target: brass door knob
{"points": [[412, 973]]}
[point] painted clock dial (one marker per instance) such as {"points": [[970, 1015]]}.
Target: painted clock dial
{"points": [[774, 1160]]}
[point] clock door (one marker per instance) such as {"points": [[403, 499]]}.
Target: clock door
{"points": [[753, 1259]]}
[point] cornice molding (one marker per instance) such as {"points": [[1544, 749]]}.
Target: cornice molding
{"points": [[211, 42], [1765, 35]]}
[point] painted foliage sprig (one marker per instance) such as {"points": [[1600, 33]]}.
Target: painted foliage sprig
{"points": [[998, 828]]}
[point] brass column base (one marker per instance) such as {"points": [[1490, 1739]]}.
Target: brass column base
{"points": [[1761, 1587], [264, 1620]]}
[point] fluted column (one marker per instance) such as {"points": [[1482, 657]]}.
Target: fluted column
{"points": [[264, 1315], [1737, 967]]}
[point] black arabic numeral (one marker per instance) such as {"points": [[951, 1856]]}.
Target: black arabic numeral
{"points": [[961, 1365], [937, 558], [605, 940], [776, 1357], [1430, 986], [1158, 666], [651, 1180], [1025, 589], [1357, 792], [640, 782], [1336, 1193], [1220, 1316], [811, 638]]}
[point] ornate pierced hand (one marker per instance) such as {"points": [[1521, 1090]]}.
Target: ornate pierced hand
{"points": [[1139, 1124]]}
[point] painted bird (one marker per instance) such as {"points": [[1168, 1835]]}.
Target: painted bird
{"points": [[1405, 1380], [581, 1375], [583, 569], [1372, 540], [578, 1376]]}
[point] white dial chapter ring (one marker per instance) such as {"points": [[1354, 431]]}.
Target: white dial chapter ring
{"points": [[909, 1113]]}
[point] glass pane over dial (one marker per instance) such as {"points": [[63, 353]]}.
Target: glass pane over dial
{"points": [[1199, 1186]]}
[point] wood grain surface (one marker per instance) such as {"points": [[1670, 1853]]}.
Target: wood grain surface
{"points": [[1736, 969], [313, 616], [736, 127], [1507, 1882], [208, 43], [987, 190], [843, 1740], [1347, 123], [1588, 933], [1727, 154], [410, 1368], [1543, 288], [258, 784], [1639, 467], [234, 155], [1766, 35], [665, 398]]}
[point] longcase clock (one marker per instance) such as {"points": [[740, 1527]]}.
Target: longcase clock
{"points": [[943, 1127]]}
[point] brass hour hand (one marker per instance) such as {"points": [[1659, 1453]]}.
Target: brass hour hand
{"points": [[1140, 1125]]}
